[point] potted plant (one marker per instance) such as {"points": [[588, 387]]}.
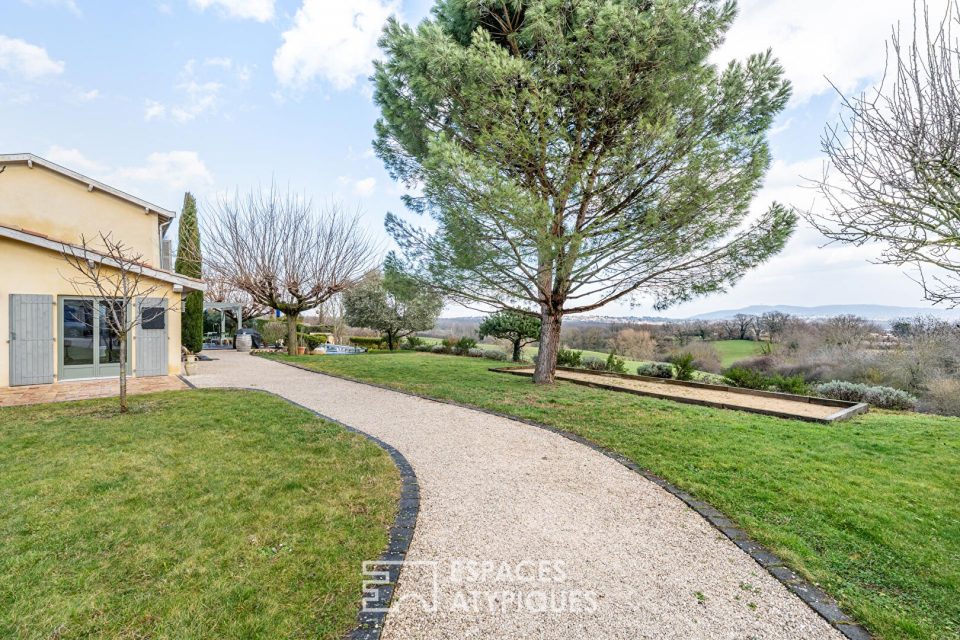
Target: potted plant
{"points": [[301, 346], [189, 362]]}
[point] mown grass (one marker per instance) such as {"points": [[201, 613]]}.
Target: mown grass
{"points": [[732, 350], [869, 509], [202, 514]]}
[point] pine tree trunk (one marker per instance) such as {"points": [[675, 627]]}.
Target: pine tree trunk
{"points": [[292, 341], [549, 346], [517, 356]]}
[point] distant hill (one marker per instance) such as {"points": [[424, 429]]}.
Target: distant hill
{"points": [[877, 312]]}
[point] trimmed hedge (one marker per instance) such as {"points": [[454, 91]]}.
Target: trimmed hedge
{"points": [[369, 342], [656, 370], [880, 397]]}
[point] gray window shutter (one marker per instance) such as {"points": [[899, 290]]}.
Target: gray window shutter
{"points": [[31, 339], [152, 342]]}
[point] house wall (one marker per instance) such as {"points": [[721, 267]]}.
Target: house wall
{"points": [[28, 269], [43, 201]]}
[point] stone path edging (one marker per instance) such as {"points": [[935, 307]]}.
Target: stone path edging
{"points": [[814, 597], [370, 623]]}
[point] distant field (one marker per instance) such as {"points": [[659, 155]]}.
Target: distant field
{"points": [[732, 350]]}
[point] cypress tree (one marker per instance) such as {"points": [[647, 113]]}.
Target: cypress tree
{"points": [[189, 263]]}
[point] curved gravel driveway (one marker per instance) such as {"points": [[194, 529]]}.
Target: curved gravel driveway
{"points": [[531, 535]]}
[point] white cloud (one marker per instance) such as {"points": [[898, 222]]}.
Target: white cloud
{"points": [[820, 39], [364, 187], [153, 110], [74, 159], [332, 41], [170, 170], [201, 94], [259, 10], [27, 60], [69, 5], [176, 169], [88, 96]]}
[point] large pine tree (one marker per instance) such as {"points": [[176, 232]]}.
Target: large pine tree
{"points": [[573, 154], [190, 263]]}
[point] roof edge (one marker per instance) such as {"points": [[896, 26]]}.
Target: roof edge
{"points": [[44, 242], [31, 159]]}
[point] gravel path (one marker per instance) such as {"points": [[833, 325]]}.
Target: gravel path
{"points": [[575, 545]]}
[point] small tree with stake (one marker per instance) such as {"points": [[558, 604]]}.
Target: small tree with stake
{"points": [[520, 329], [277, 249], [114, 272], [392, 304]]}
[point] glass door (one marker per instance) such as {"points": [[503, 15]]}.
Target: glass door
{"points": [[89, 348], [108, 342], [78, 341]]}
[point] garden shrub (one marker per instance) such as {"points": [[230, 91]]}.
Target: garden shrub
{"points": [[683, 365], [424, 347], [942, 396], [312, 340], [592, 363], [809, 371], [413, 342], [763, 364], [656, 370], [368, 342], [464, 345], [705, 356], [496, 354], [569, 358], [790, 384], [615, 364], [274, 332], [313, 328], [440, 348], [474, 353], [880, 397], [746, 378]]}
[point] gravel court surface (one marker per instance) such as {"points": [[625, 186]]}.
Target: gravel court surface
{"points": [[525, 534]]}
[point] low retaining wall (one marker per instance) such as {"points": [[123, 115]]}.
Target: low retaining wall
{"points": [[728, 396]]}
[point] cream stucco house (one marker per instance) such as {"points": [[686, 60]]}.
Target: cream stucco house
{"points": [[51, 331]]}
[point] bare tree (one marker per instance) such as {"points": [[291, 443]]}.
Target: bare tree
{"points": [[744, 325], [774, 324], [219, 290], [285, 255], [114, 272], [897, 154]]}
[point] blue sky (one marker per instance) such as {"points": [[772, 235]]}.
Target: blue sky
{"points": [[156, 97]]}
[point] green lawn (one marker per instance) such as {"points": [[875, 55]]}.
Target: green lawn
{"points": [[869, 509], [201, 514], [732, 350]]}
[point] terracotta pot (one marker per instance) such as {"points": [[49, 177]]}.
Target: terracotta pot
{"points": [[301, 351]]}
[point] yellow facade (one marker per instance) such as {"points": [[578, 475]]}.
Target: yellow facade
{"points": [[42, 201], [46, 202]]}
